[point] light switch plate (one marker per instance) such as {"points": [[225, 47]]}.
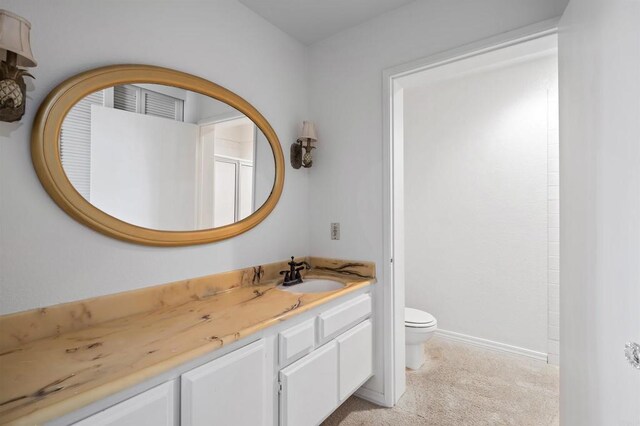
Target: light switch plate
{"points": [[335, 231]]}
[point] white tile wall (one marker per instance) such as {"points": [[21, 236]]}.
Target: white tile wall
{"points": [[553, 179]]}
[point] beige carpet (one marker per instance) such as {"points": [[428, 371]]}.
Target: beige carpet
{"points": [[464, 385]]}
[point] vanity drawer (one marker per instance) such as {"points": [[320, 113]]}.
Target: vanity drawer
{"points": [[156, 406], [342, 317], [296, 342]]}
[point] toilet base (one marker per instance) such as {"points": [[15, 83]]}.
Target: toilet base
{"points": [[414, 356]]}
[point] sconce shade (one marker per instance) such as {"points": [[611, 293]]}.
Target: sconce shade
{"points": [[14, 37], [308, 131]]}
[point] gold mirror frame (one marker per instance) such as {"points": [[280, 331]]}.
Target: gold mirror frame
{"points": [[45, 152]]}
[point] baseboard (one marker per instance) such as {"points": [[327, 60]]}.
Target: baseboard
{"points": [[490, 344], [372, 396]]}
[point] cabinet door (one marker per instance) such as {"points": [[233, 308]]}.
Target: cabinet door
{"points": [[157, 406], [231, 390], [355, 356], [310, 388]]}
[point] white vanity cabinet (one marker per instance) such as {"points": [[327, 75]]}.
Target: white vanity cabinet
{"points": [[314, 386], [295, 374], [231, 390], [157, 407]]}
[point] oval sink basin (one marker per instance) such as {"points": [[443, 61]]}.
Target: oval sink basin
{"points": [[313, 285]]}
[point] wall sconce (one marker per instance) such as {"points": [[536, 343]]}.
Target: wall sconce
{"points": [[304, 142], [16, 49]]}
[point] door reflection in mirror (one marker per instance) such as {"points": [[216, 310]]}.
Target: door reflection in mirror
{"points": [[229, 151]]}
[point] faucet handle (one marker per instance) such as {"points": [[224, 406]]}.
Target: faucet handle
{"points": [[287, 275], [295, 264]]}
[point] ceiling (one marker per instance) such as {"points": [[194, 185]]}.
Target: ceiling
{"points": [[312, 20]]}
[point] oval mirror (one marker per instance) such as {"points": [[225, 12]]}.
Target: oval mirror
{"points": [[156, 156]]}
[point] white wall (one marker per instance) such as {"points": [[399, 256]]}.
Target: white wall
{"points": [[599, 60], [49, 258], [143, 168], [475, 150], [198, 107], [346, 104]]}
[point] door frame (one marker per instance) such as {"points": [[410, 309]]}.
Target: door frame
{"points": [[201, 158], [393, 265]]}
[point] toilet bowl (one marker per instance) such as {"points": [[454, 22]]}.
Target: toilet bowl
{"points": [[419, 326]]}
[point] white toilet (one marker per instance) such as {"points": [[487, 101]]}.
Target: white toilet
{"points": [[419, 326]]}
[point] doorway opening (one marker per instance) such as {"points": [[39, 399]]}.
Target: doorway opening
{"points": [[472, 197], [226, 157]]}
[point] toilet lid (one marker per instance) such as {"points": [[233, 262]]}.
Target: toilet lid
{"points": [[417, 318]]}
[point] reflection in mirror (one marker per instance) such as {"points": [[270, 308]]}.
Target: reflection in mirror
{"points": [[166, 158]]}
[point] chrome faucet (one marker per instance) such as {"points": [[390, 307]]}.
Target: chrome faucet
{"points": [[292, 276]]}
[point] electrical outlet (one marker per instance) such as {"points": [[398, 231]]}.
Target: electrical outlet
{"points": [[335, 231]]}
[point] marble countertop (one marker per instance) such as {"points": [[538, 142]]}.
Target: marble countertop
{"points": [[50, 376]]}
